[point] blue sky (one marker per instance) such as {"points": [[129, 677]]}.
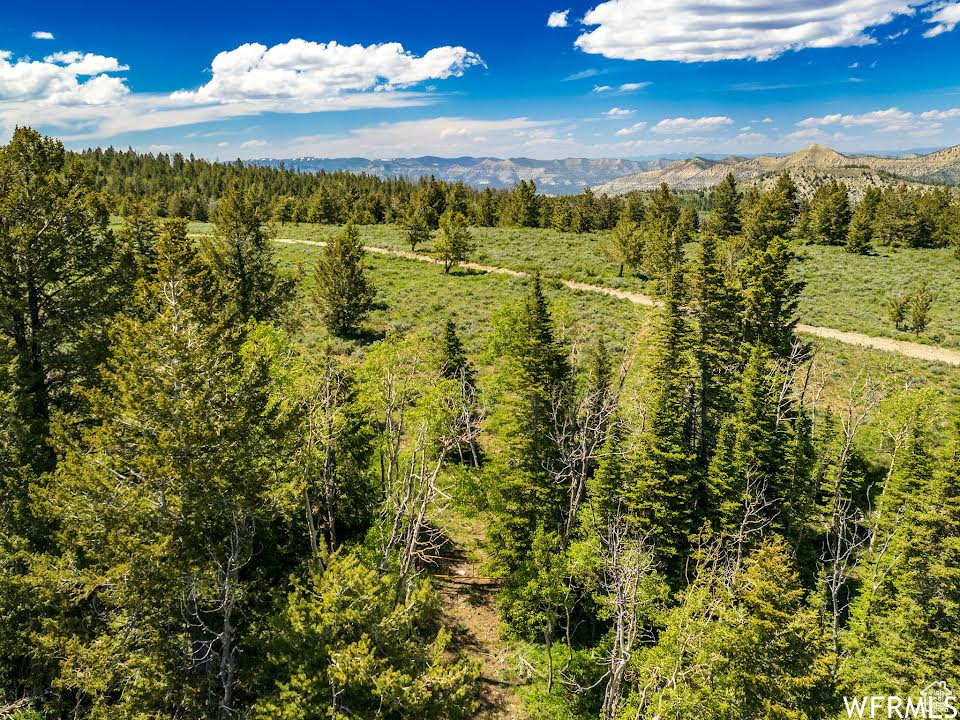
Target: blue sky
{"points": [[620, 78]]}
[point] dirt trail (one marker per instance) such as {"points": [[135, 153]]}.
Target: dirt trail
{"points": [[928, 353], [470, 606]]}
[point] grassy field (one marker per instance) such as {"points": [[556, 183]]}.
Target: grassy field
{"points": [[846, 292], [411, 294]]}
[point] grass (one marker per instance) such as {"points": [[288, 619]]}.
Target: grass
{"points": [[843, 291], [411, 294]]}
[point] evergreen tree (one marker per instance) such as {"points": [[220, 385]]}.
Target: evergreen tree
{"points": [[251, 283], [164, 505], [454, 243], [771, 214], [525, 210], [860, 234], [716, 308], [536, 379], [664, 497], [340, 647], [626, 244], [770, 296], [454, 363], [342, 292], [59, 280], [416, 226], [725, 218], [829, 214]]}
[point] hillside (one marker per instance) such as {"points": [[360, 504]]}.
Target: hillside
{"points": [[554, 177], [809, 168]]}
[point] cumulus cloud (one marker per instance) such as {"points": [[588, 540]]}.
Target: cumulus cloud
{"points": [[61, 79], [944, 17], [890, 120], [687, 125], [41, 35], [305, 71], [616, 112], [694, 31], [632, 130], [81, 93], [558, 19]]}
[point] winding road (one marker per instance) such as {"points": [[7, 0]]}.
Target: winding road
{"points": [[919, 351]]}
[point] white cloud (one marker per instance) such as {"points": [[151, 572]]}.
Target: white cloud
{"points": [[558, 19], [890, 120], [694, 31], [632, 130], [79, 93], [447, 136], [583, 74], [853, 66], [57, 80], [616, 112], [746, 128], [299, 70], [41, 35], [945, 18], [941, 114], [686, 125], [767, 120], [625, 88]]}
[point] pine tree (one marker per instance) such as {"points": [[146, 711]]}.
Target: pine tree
{"points": [[664, 496], [715, 305], [454, 363], [454, 243], [725, 218], [340, 647], [416, 226], [626, 244], [164, 506], [772, 214], [525, 210], [829, 214], [891, 643], [860, 234], [342, 292], [536, 375], [770, 296], [240, 254], [59, 280]]}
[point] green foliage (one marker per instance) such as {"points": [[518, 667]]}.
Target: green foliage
{"points": [[725, 219], [59, 280], [342, 292], [240, 254], [749, 647], [341, 646], [524, 208], [626, 245], [770, 296], [860, 234], [829, 215], [454, 242], [772, 214]]}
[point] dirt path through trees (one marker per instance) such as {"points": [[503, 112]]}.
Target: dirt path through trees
{"points": [[928, 353]]}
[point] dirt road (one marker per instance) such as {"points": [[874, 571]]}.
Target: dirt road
{"points": [[929, 353]]}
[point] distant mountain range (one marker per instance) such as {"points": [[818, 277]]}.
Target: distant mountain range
{"points": [[809, 168], [554, 177], [615, 176]]}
